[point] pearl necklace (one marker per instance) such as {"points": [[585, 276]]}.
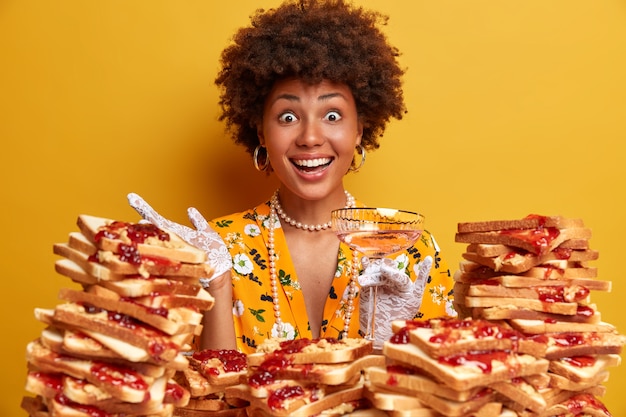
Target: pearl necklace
{"points": [[276, 211], [313, 227]]}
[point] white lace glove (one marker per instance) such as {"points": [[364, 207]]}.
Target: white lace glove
{"points": [[202, 237], [397, 297]]}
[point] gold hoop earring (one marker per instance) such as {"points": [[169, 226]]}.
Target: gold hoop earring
{"points": [[361, 150], [255, 159]]}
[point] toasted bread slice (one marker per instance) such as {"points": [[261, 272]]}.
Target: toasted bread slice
{"points": [[515, 261], [169, 320], [564, 308], [132, 264], [537, 241], [149, 240], [123, 384], [444, 337], [129, 286], [579, 404], [531, 221], [560, 382], [160, 346], [521, 392], [544, 293], [583, 369], [570, 344], [409, 380], [220, 367], [470, 372], [518, 281], [584, 314], [323, 373], [553, 326], [324, 350]]}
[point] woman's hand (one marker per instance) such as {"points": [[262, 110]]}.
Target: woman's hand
{"points": [[397, 297], [202, 237]]}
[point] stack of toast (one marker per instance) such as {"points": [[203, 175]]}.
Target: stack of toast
{"points": [[457, 368], [535, 275], [209, 374], [306, 377], [115, 343]]}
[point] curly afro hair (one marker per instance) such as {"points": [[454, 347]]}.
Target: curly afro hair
{"points": [[312, 40]]}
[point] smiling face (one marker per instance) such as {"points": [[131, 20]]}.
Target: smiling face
{"points": [[310, 132]]}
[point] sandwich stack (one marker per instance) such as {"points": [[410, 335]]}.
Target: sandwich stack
{"points": [[306, 377], [115, 343], [535, 275], [457, 368], [209, 374]]}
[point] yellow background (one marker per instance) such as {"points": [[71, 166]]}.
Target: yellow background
{"points": [[515, 107]]}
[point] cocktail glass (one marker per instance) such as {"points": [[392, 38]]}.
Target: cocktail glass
{"points": [[376, 233]]}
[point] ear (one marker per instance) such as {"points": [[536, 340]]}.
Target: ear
{"points": [[260, 135], [359, 135]]}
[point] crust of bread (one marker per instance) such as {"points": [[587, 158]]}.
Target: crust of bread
{"points": [[48, 361], [148, 266], [578, 374], [521, 392], [319, 351], [411, 383], [390, 400], [130, 287], [529, 222], [307, 406], [174, 248], [437, 342], [191, 412], [465, 376], [497, 237], [175, 320], [561, 345], [509, 312], [443, 406], [514, 262], [518, 281], [543, 326], [329, 374], [568, 309], [161, 347], [560, 382]]}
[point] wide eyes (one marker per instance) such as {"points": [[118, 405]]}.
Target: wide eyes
{"points": [[289, 117]]}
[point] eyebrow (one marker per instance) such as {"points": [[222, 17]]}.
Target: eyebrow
{"points": [[323, 97]]}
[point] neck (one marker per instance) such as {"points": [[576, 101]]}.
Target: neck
{"points": [[312, 211]]}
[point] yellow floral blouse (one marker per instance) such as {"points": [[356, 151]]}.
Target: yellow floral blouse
{"points": [[245, 235]]}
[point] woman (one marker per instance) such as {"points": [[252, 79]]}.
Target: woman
{"points": [[307, 89]]}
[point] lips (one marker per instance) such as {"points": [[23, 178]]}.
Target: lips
{"points": [[311, 164]]}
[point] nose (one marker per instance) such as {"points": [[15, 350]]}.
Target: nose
{"points": [[311, 135]]}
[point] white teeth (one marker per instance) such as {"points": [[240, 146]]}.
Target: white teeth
{"points": [[311, 163]]}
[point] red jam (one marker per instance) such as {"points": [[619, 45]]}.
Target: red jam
{"points": [[401, 337], [562, 253], [261, 378], [276, 399], [580, 361], [482, 360], [89, 410], [136, 232], [577, 404], [232, 360], [568, 339], [585, 311], [174, 392], [119, 376], [50, 380], [539, 238]]}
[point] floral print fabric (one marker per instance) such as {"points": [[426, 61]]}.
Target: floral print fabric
{"points": [[245, 235]]}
